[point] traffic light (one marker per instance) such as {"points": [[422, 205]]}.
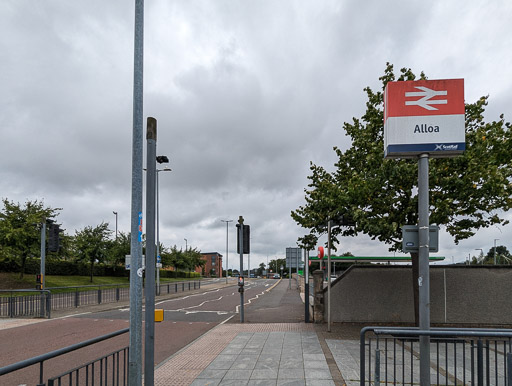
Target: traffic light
{"points": [[247, 239], [53, 240], [39, 282]]}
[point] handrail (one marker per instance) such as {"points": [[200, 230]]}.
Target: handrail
{"points": [[52, 354], [434, 332]]}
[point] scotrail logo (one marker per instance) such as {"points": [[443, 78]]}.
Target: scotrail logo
{"points": [[444, 147]]}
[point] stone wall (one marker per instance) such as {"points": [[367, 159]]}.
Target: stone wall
{"points": [[476, 295]]}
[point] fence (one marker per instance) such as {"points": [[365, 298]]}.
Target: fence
{"points": [[18, 303], [457, 356], [15, 303], [111, 369], [118, 368]]}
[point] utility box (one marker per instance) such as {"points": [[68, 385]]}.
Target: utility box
{"points": [[410, 238], [159, 315]]}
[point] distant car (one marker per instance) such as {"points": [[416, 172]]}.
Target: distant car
{"points": [[252, 276], [277, 276]]}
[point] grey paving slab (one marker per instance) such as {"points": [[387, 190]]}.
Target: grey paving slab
{"points": [[320, 382], [290, 373], [205, 382], [318, 365], [234, 382], [317, 374], [291, 382], [262, 382], [238, 374], [270, 373], [212, 374], [220, 365]]}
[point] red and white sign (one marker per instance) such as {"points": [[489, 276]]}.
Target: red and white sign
{"points": [[424, 116]]}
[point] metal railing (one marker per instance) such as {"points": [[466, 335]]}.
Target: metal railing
{"points": [[29, 302], [110, 369], [15, 303], [40, 359], [458, 356]]}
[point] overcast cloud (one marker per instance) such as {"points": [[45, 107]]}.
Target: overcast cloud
{"points": [[246, 94]]}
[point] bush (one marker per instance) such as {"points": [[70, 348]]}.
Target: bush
{"points": [[71, 268]]}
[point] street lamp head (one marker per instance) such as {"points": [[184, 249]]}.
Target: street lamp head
{"points": [[162, 159], [114, 212]]}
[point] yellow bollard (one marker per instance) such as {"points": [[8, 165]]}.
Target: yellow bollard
{"points": [[159, 315]]}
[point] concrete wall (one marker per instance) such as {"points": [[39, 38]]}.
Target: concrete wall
{"points": [[383, 294]]}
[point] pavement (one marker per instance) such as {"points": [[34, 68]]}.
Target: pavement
{"points": [[253, 353]]}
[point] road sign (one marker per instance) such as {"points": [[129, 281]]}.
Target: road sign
{"points": [[424, 117], [320, 253]]}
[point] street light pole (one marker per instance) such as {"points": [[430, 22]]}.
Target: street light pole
{"points": [[227, 260], [481, 254], [186, 244], [158, 259], [115, 213], [495, 250]]}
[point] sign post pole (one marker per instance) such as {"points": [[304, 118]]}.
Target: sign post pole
{"points": [[329, 224], [241, 246], [424, 274]]}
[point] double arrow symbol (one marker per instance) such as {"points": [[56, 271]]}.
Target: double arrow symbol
{"points": [[426, 101]]}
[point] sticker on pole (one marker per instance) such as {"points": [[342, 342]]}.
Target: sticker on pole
{"points": [[424, 117]]}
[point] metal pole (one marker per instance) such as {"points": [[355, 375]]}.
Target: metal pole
{"points": [[43, 252], [495, 250], [158, 260], [306, 286], [424, 274], [289, 274], [135, 357], [297, 270], [115, 214], [241, 248], [329, 224], [227, 259], [149, 345]]}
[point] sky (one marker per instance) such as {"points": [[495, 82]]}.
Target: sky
{"points": [[246, 95]]}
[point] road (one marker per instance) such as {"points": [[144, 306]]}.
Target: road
{"points": [[185, 319]]}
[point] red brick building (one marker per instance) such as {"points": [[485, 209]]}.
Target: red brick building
{"points": [[213, 265]]}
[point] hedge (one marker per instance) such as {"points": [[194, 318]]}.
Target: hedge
{"points": [[70, 268]]}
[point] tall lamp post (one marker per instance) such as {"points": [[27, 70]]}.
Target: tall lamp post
{"points": [[186, 244], [160, 159], [227, 223], [495, 250], [481, 254], [115, 213]]}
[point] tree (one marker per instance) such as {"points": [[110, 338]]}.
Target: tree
{"points": [[92, 244], [467, 193], [260, 269], [502, 255], [20, 232], [275, 265], [119, 248]]}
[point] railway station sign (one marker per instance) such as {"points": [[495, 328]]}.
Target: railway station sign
{"points": [[424, 117]]}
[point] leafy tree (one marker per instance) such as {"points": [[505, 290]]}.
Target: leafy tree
{"points": [[502, 255], [467, 193], [275, 265], [260, 269], [119, 248], [194, 259], [92, 244], [20, 232]]}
